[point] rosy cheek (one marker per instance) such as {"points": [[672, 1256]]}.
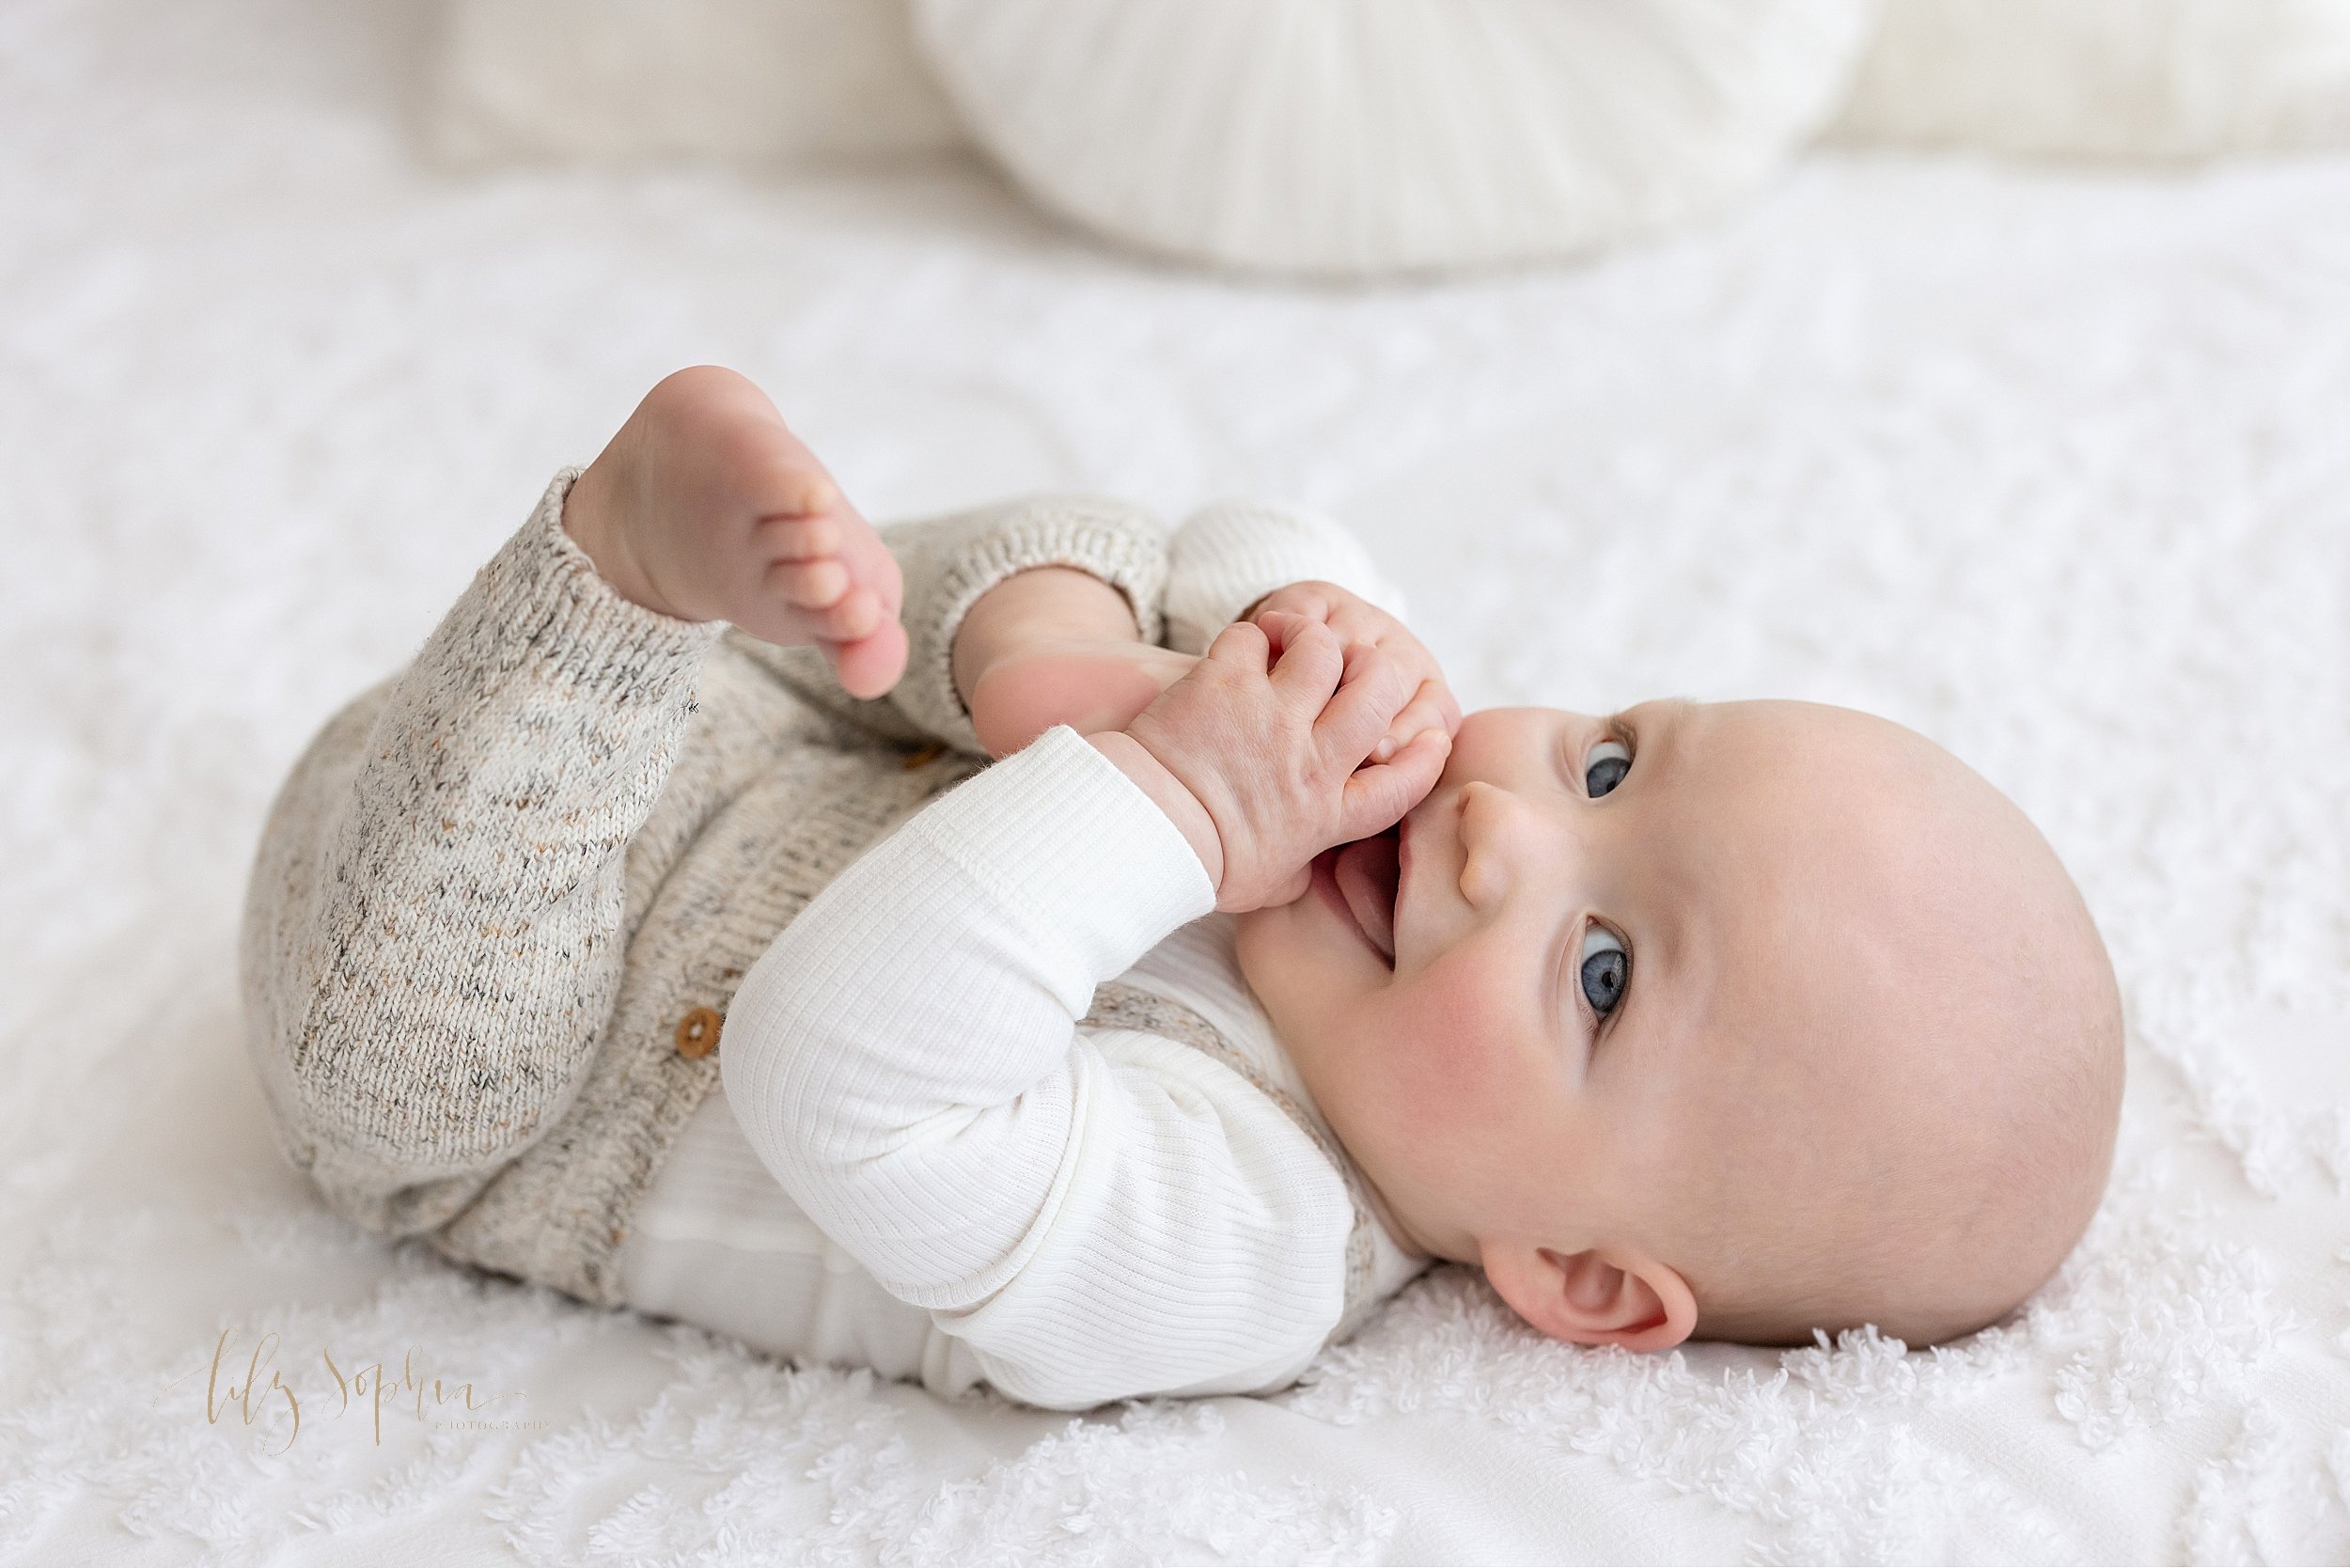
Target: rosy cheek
{"points": [[1452, 1062]]}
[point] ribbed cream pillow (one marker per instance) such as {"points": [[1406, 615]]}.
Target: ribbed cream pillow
{"points": [[777, 82], [1367, 136], [2109, 79]]}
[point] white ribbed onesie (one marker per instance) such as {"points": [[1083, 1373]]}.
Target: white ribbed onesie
{"points": [[919, 1161]]}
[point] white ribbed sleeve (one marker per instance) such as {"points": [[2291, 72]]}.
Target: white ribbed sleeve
{"points": [[1095, 1214], [1226, 556]]}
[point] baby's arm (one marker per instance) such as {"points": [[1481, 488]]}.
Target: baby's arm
{"points": [[1095, 1217], [1056, 647]]}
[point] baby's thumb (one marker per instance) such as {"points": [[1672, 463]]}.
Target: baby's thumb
{"points": [[1377, 794]]}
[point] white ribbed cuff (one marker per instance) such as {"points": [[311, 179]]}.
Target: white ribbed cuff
{"points": [[1228, 555], [1077, 848]]}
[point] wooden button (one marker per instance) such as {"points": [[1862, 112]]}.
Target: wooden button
{"points": [[929, 753], [697, 1032]]}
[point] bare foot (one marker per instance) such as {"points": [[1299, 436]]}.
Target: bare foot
{"points": [[705, 507]]}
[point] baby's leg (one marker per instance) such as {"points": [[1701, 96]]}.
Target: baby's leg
{"points": [[1053, 645], [706, 505]]}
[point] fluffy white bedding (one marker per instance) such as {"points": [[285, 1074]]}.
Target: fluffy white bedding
{"points": [[2054, 468]]}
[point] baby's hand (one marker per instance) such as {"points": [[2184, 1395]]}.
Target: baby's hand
{"points": [[1258, 753], [1355, 620]]}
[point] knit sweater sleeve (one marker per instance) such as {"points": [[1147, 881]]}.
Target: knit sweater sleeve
{"points": [[1226, 556], [1094, 1216], [947, 563], [431, 941]]}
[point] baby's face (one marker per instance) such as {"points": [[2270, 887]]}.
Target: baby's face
{"points": [[1515, 976], [1600, 953]]}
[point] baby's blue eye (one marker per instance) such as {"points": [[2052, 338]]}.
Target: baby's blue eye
{"points": [[1606, 970], [1604, 768]]}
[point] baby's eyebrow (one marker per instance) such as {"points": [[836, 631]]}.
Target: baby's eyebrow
{"points": [[1620, 719]]}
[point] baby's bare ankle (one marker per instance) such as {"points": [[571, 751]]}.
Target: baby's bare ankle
{"points": [[1046, 606], [596, 513]]}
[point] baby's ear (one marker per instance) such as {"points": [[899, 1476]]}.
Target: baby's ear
{"points": [[1592, 1298]]}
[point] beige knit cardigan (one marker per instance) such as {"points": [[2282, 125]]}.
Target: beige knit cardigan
{"points": [[498, 888]]}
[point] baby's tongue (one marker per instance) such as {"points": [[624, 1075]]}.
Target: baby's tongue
{"points": [[1367, 871]]}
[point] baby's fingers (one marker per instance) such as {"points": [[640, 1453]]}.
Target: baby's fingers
{"points": [[1376, 797], [1373, 691], [1240, 644], [1312, 664], [1431, 707]]}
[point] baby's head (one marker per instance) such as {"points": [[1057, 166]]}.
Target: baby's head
{"points": [[1733, 1019]]}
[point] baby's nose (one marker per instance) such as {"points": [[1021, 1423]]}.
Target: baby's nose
{"points": [[1502, 838]]}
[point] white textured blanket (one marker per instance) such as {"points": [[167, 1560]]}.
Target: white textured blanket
{"points": [[2054, 468]]}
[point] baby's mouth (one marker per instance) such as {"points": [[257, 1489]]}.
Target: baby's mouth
{"points": [[1367, 872]]}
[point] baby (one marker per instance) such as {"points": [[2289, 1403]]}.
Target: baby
{"points": [[1148, 1058]]}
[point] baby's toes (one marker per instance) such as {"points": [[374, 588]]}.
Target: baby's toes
{"points": [[870, 665], [813, 585], [858, 613], [871, 564], [800, 539]]}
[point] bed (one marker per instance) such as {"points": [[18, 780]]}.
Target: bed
{"points": [[2053, 466]]}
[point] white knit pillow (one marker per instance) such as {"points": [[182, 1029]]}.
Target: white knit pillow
{"points": [[2106, 78], [1359, 136]]}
